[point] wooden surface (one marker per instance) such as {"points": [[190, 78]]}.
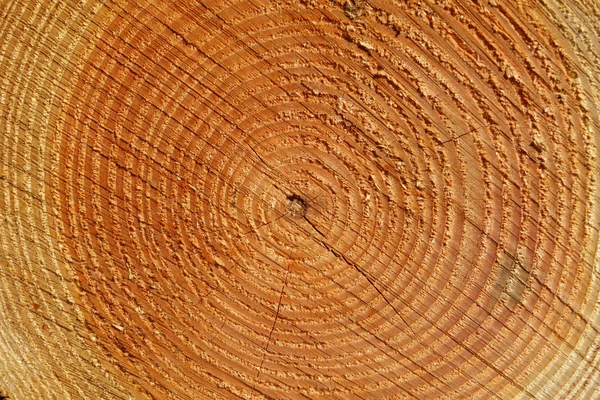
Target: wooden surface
{"points": [[299, 199]]}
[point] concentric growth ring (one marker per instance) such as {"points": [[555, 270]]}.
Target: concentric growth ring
{"points": [[314, 199]]}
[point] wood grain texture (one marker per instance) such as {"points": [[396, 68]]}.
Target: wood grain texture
{"points": [[322, 199]]}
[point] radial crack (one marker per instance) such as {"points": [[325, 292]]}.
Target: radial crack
{"points": [[266, 349], [339, 255]]}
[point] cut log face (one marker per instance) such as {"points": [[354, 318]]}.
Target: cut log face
{"points": [[362, 199]]}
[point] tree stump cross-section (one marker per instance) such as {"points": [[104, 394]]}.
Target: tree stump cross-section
{"points": [[314, 199]]}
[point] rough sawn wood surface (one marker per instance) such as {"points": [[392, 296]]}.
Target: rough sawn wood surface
{"points": [[316, 199]]}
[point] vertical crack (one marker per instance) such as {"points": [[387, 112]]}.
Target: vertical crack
{"points": [[266, 349]]}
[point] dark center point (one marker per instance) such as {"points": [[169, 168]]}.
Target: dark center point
{"points": [[296, 206]]}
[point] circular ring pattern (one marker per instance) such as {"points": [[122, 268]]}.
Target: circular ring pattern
{"points": [[317, 199]]}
